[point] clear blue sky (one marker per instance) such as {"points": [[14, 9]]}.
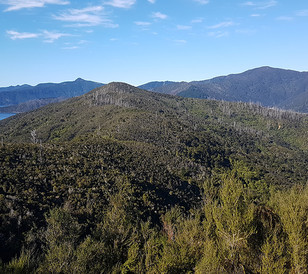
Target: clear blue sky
{"points": [[137, 41]]}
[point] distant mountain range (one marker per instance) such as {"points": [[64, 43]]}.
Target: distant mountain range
{"points": [[268, 86], [271, 87], [25, 97]]}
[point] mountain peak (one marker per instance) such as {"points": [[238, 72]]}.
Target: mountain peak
{"points": [[265, 68], [125, 95], [116, 88], [114, 93], [79, 79], [121, 86]]}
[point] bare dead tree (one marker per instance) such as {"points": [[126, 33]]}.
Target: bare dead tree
{"points": [[33, 138]]}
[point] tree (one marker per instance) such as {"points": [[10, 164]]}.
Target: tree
{"points": [[61, 238], [292, 207], [273, 258], [233, 223]]}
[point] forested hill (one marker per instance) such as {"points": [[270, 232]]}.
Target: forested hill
{"points": [[126, 180], [123, 111], [269, 86]]}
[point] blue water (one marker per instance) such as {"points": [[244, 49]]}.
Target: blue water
{"points": [[5, 115]]}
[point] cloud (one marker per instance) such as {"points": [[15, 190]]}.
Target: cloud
{"points": [[126, 4], [302, 13], [249, 3], [266, 5], [159, 15], [75, 45], [197, 20], [152, 1], [82, 42], [142, 24], [222, 25], [202, 2], [90, 16], [180, 41], [27, 4], [261, 5], [182, 27], [50, 37], [21, 35], [71, 47], [246, 31], [218, 34], [284, 18]]}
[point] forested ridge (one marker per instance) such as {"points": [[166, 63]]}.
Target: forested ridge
{"points": [[281, 88], [122, 180]]}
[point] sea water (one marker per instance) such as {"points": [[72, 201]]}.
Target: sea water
{"points": [[5, 115]]}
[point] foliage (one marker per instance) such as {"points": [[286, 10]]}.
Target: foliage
{"points": [[292, 207], [148, 183]]}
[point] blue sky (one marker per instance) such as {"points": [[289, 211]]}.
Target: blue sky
{"points": [[137, 41]]}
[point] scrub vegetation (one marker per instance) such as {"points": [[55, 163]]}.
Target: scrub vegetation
{"points": [[122, 180]]}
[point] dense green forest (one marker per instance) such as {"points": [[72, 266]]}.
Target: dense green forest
{"points": [[122, 180]]}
